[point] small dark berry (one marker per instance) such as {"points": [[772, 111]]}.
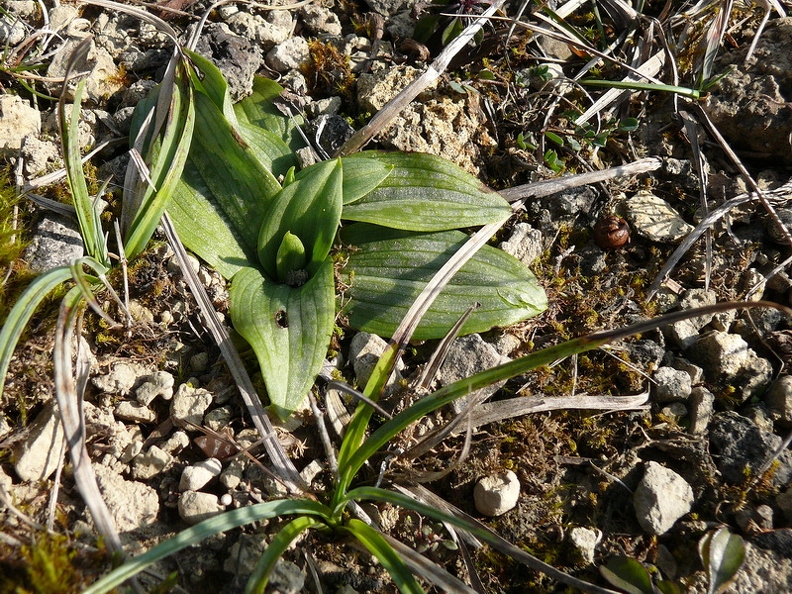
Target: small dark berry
{"points": [[611, 232]]}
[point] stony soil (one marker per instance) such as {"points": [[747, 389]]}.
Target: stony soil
{"points": [[706, 449]]}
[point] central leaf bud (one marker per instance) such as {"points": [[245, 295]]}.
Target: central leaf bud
{"points": [[291, 261]]}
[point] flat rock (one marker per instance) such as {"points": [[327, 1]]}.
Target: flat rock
{"points": [[495, 495], [525, 243], [750, 106], [727, 359], [655, 219], [288, 55], [585, 540], [56, 242], [196, 507], [189, 404], [671, 384], [779, 400], [740, 448], [17, 120], [200, 474], [134, 411], [150, 463], [159, 383], [467, 356], [662, 497], [38, 455], [132, 504]]}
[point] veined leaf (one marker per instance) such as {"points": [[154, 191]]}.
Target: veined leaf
{"points": [[722, 554], [627, 574], [310, 208], [213, 84], [388, 268], [223, 181], [426, 193], [362, 173], [269, 149], [259, 110], [205, 229], [288, 328]]}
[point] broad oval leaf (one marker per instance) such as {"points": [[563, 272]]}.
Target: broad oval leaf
{"points": [[288, 328], [627, 574], [426, 193], [362, 174], [259, 110], [388, 268], [224, 195], [722, 554], [310, 208]]}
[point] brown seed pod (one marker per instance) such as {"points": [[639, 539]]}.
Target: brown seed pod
{"points": [[611, 232]]}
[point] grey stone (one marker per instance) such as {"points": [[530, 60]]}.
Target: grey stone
{"points": [[685, 332], [671, 384], [189, 405], [12, 32], [467, 356], [159, 383], [749, 519], [495, 495], [199, 362], [674, 411], [585, 541], [784, 503], [762, 572], [176, 443], [267, 31], [121, 379], [38, 455], [287, 578], [231, 477], [150, 463], [740, 448], [364, 352], [200, 474], [726, 358], [244, 554], [662, 497], [134, 411], [39, 155], [653, 217], [140, 313], [525, 243], [751, 103], [17, 120], [132, 504], [695, 372], [218, 418], [238, 58], [196, 507], [388, 7], [779, 400], [700, 405], [101, 81], [288, 55], [56, 242], [320, 20]]}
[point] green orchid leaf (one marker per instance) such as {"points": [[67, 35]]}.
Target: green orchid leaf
{"points": [[425, 193], [288, 328], [388, 268], [722, 554], [269, 149], [310, 208], [213, 84], [224, 195], [362, 174], [627, 574], [259, 110]]}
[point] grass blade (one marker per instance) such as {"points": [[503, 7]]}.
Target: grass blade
{"points": [[23, 310], [207, 528], [277, 546], [385, 553]]}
